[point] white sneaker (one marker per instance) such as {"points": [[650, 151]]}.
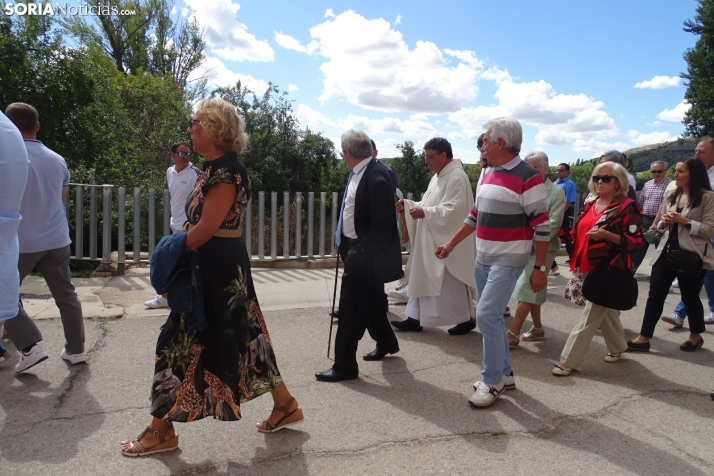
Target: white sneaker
{"points": [[486, 394], [709, 318], [554, 271], [73, 359], [674, 319], [400, 294], [158, 302], [36, 355], [509, 382]]}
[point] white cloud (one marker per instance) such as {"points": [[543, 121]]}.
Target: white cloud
{"points": [[173, 11], [225, 35], [467, 156], [184, 12], [413, 128], [314, 119], [398, 21], [560, 118], [659, 82], [290, 43], [639, 138], [370, 65], [329, 13], [219, 75], [292, 87], [597, 147], [676, 114], [654, 123]]}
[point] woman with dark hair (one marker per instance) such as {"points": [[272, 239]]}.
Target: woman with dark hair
{"points": [[687, 223]]}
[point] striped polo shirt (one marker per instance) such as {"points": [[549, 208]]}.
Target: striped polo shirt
{"points": [[509, 213]]}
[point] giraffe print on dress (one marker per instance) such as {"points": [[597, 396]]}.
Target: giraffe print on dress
{"points": [[223, 393], [187, 398]]}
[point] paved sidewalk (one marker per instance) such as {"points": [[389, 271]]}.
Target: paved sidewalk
{"points": [[649, 414]]}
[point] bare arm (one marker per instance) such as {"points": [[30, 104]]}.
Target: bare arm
{"points": [[538, 278], [64, 194], [218, 202], [444, 250]]}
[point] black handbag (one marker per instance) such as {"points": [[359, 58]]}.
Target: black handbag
{"points": [[615, 289], [685, 263]]}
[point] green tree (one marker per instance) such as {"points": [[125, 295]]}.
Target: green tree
{"points": [[699, 120], [411, 169], [280, 156]]}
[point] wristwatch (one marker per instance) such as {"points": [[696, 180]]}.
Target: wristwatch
{"points": [[539, 268]]}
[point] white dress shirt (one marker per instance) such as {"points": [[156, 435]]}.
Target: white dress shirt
{"points": [[348, 215]]}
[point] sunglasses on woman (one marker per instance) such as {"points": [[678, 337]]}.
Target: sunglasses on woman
{"points": [[603, 178]]}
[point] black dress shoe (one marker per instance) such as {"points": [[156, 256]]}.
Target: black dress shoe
{"points": [[643, 347], [378, 354], [332, 375], [687, 346], [463, 328], [408, 325], [336, 313]]}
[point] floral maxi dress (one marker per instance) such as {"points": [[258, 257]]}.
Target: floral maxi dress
{"points": [[211, 372]]}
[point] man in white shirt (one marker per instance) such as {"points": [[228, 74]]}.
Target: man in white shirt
{"points": [[181, 178], [44, 244], [440, 291]]}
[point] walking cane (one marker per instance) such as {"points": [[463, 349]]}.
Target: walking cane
{"points": [[334, 296]]}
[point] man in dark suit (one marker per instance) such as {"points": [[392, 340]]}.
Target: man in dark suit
{"points": [[368, 243]]}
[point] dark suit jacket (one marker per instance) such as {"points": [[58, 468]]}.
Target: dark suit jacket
{"points": [[376, 257]]}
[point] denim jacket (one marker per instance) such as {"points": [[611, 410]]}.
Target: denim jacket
{"points": [[176, 271]]}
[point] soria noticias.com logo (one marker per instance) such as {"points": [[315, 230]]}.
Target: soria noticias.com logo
{"points": [[22, 9]]}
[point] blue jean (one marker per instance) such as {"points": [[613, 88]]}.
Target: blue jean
{"points": [[495, 284], [708, 285]]}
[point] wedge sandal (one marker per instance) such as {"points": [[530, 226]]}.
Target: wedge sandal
{"points": [[289, 418], [164, 444]]}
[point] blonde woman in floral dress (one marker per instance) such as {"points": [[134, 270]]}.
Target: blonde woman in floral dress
{"points": [[211, 372]]}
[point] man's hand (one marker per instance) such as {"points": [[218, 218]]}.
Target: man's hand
{"points": [[444, 250], [399, 206], [538, 280], [416, 212]]}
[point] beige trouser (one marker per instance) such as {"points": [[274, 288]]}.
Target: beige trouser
{"points": [[594, 317]]}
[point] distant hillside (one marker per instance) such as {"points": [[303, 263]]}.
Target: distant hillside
{"points": [[669, 152]]}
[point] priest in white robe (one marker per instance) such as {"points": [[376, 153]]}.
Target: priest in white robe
{"points": [[440, 292]]}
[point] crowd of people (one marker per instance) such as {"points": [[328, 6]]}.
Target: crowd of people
{"points": [[214, 351]]}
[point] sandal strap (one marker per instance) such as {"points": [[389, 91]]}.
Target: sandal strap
{"points": [[285, 410], [514, 335]]}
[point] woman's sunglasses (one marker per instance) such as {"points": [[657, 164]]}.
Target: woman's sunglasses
{"points": [[603, 178]]}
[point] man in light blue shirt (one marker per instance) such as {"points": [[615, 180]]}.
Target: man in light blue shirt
{"points": [[13, 175], [44, 244], [564, 182]]}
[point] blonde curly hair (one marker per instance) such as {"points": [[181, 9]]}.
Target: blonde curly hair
{"points": [[223, 125]]}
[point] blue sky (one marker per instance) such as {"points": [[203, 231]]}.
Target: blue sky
{"points": [[582, 77]]}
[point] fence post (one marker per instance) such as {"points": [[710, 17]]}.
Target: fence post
{"points": [[93, 223], [79, 223], [167, 212], [333, 224], [137, 225], [152, 221], [321, 242], [310, 223], [286, 224], [121, 230], [105, 265], [261, 225], [298, 224], [273, 225]]}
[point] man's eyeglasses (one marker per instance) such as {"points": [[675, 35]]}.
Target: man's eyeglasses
{"points": [[428, 157], [657, 171], [191, 122], [603, 178], [183, 154]]}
